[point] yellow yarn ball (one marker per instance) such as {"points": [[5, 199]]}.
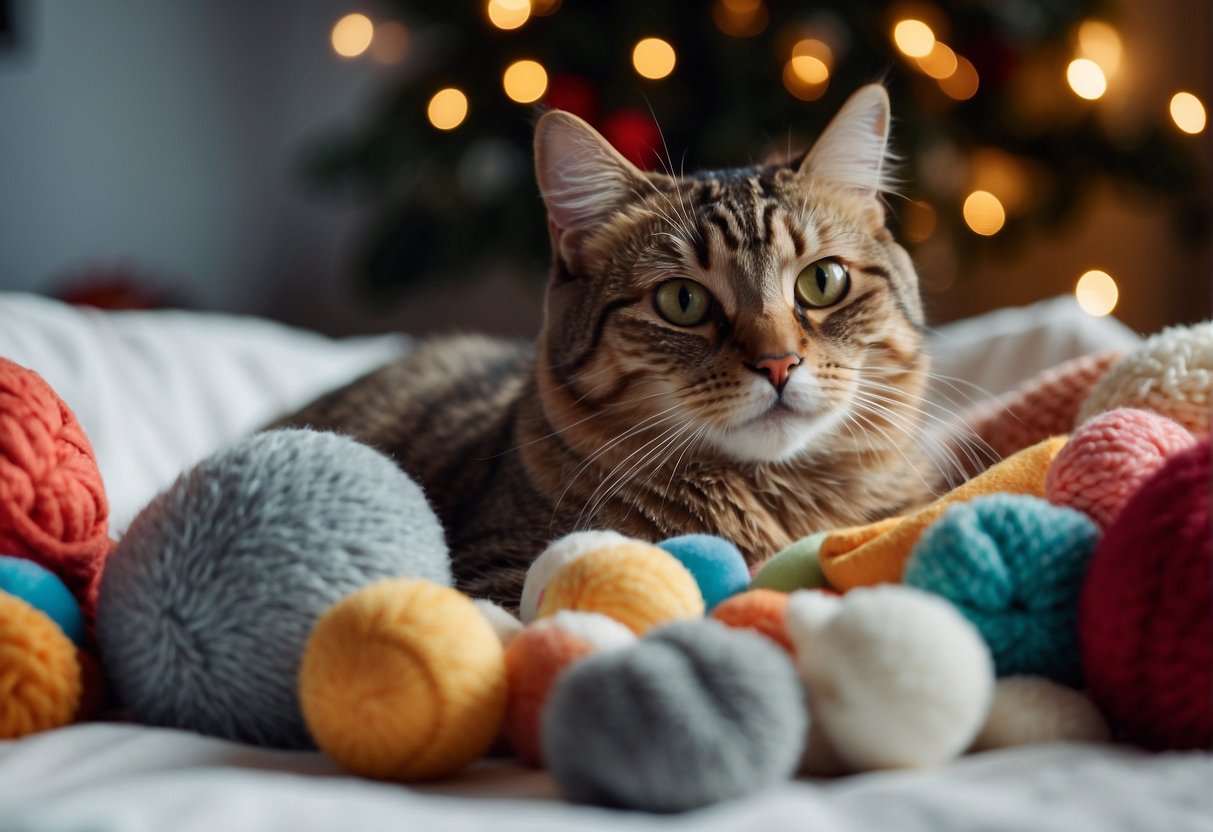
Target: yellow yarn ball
{"points": [[403, 680], [40, 677], [637, 584]]}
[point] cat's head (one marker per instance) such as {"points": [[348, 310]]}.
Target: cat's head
{"points": [[765, 310]]}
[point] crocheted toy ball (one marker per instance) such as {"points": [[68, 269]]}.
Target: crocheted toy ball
{"points": [[40, 679], [1031, 709], [209, 598], [793, 567], [760, 610], [559, 554], [895, 677], [403, 680], [53, 509], [1108, 457], [43, 590], [1147, 604], [1170, 374], [637, 584], [718, 566], [537, 656], [694, 714], [1013, 565]]}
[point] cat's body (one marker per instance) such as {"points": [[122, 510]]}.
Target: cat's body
{"points": [[689, 376]]}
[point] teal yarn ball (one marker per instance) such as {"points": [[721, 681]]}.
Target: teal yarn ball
{"points": [[717, 565], [1014, 565], [794, 567], [42, 590]]}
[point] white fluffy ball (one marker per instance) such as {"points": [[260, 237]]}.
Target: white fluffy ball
{"points": [[559, 554], [1032, 709], [895, 677], [504, 624]]}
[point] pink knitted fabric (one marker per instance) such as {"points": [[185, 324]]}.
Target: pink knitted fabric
{"points": [[1109, 457], [1043, 406]]}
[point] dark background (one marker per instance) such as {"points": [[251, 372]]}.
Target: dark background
{"points": [[157, 153]]}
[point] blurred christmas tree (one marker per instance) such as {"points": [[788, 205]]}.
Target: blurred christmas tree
{"points": [[997, 112]]}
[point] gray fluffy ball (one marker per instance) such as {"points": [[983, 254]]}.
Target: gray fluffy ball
{"points": [[208, 600], [694, 714]]}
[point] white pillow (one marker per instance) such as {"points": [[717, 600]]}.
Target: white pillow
{"points": [[157, 391]]}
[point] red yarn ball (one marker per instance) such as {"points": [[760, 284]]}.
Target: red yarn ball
{"points": [[1108, 457], [1146, 612], [53, 508]]}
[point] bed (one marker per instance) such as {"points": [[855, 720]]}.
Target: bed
{"points": [[156, 391]]}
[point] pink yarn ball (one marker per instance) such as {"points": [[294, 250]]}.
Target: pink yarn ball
{"points": [[1108, 457]]}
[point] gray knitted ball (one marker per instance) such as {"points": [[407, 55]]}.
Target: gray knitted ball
{"points": [[207, 601], [693, 714]]}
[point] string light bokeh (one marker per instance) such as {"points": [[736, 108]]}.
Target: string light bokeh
{"points": [[981, 190]]}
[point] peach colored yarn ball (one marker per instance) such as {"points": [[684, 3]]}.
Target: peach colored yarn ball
{"points": [[1109, 457], [761, 610], [537, 656]]}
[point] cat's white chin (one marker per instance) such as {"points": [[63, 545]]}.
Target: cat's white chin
{"points": [[778, 435]]}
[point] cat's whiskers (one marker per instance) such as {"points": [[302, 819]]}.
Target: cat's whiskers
{"points": [[651, 422], [613, 483], [941, 453], [865, 419]]}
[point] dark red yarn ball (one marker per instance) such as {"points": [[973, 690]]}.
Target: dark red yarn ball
{"points": [[1146, 616]]}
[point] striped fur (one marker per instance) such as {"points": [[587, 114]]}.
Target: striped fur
{"points": [[618, 419]]}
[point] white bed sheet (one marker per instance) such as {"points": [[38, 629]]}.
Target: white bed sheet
{"points": [[156, 391]]}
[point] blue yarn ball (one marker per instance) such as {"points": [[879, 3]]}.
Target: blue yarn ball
{"points": [[209, 598], [42, 589], [718, 566], [1013, 564]]}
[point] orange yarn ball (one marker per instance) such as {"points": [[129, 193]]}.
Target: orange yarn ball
{"points": [[757, 609], [403, 680], [40, 679], [637, 584]]}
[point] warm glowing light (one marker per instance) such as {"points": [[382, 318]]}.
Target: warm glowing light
{"points": [[961, 84], [914, 38], [984, 213], [1187, 112], [525, 81], [809, 69], [448, 108], [542, 8], [508, 14], [653, 58], [801, 88], [1096, 293], [940, 63], [740, 18], [919, 221], [1086, 79], [814, 48], [390, 43], [1101, 43], [1001, 174], [352, 35]]}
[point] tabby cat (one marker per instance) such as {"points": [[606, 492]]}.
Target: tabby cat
{"points": [[737, 352]]}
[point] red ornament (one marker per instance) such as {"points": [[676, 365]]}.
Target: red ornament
{"points": [[634, 134], [573, 94]]}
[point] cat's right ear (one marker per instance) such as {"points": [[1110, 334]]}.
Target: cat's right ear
{"points": [[583, 178]]}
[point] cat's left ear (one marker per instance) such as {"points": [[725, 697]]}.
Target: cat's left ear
{"points": [[853, 151]]}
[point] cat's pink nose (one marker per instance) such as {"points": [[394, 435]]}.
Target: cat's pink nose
{"points": [[776, 367]]}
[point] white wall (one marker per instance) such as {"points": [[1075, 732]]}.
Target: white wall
{"points": [[164, 134]]}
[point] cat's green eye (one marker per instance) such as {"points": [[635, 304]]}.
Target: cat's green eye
{"points": [[683, 302], [822, 284]]}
